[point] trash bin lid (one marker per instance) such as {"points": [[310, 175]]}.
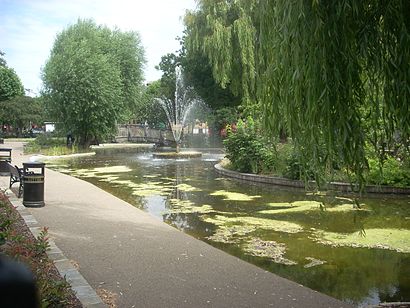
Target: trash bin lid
{"points": [[34, 165]]}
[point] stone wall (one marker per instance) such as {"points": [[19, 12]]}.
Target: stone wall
{"points": [[342, 187]]}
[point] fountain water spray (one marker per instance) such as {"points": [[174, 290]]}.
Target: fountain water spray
{"points": [[177, 110]]}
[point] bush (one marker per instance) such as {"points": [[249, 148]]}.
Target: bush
{"points": [[47, 145], [393, 172], [247, 150]]}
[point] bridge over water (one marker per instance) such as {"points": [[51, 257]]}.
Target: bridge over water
{"points": [[143, 134]]}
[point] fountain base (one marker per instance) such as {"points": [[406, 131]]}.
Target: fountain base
{"points": [[176, 155]]}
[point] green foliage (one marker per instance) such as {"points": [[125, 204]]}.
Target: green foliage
{"points": [[10, 84], [2, 61], [315, 69], [92, 79], [225, 33], [21, 112], [247, 150], [148, 109], [198, 73], [392, 172], [222, 116], [167, 83], [51, 146], [19, 245]]}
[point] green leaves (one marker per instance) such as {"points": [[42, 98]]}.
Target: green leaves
{"points": [[10, 84], [315, 69], [92, 79]]}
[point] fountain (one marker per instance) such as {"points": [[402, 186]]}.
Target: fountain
{"points": [[177, 111]]}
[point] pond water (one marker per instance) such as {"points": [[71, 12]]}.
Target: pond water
{"points": [[354, 250]]}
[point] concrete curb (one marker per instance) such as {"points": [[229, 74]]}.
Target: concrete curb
{"points": [[83, 291], [337, 186]]}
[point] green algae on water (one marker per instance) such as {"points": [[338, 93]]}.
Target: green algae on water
{"points": [[231, 233], [187, 207], [112, 169], [392, 239], [268, 249], [233, 196], [304, 206], [186, 187], [347, 208], [262, 223], [313, 262], [297, 206]]}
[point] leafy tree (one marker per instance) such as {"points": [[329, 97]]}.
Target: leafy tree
{"points": [[2, 61], [225, 33], [313, 67], [148, 109], [92, 79], [21, 112], [168, 64], [10, 83], [198, 73]]}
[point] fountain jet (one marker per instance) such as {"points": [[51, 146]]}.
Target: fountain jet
{"points": [[178, 109]]}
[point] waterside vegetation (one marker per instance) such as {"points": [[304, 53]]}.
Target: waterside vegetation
{"points": [[17, 243]]}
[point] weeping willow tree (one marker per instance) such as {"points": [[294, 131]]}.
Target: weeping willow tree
{"points": [[333, 73]]}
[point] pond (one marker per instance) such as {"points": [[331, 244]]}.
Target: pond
{"points": [[354, 250]]}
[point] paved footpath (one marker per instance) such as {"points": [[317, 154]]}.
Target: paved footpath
{"points": [[147, 263]]}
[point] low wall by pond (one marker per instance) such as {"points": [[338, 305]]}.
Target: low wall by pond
{"points": [[336, 186]]}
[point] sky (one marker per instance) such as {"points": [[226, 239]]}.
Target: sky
{"points": [[28, 29]]}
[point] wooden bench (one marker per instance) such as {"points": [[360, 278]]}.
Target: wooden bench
{"points": [[16, 176]]}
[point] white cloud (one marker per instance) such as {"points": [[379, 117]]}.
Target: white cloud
{"points": [[28, 28]]}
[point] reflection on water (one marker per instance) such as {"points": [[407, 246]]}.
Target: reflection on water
{"points": [[360, 254]]}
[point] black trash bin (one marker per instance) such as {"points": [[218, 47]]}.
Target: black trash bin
{"points": [[33, 179], [5, 158]]}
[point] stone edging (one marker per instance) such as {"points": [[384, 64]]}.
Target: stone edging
{"points": [[338, 186], [83, 291]]}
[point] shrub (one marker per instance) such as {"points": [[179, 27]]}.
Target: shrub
{"points": [[392, 172], [248, 150], [48, 145]]}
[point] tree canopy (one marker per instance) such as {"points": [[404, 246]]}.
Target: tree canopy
{"points": [[10, 83], [333, 73], [21, 112], [93, 79]]}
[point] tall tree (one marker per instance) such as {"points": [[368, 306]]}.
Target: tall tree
{"points": [[10, 83], [148, 109], [21, 112], [92, 79], [313, 67]]}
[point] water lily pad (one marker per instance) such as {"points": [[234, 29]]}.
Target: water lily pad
{"points": [[268, 249], [234, 196], [392, 239]]}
